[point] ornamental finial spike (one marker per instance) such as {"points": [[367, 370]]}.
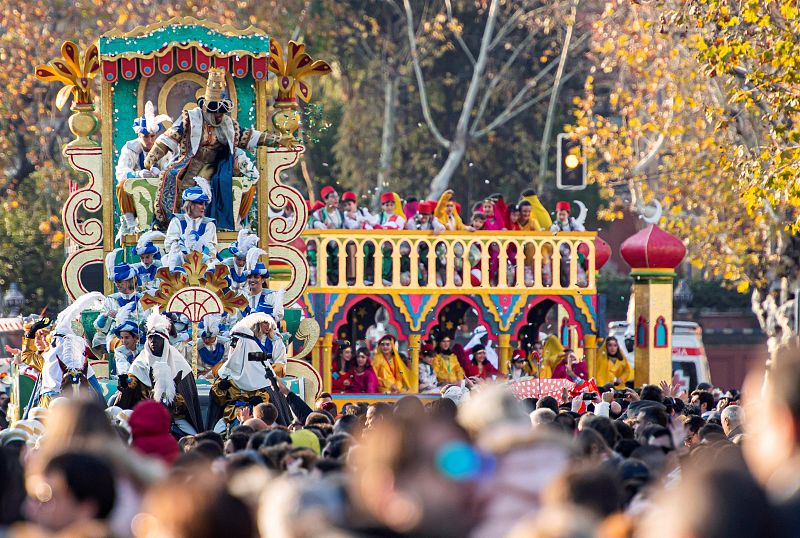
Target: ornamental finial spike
{"points": [[651, 214], [289, 73], [76, 75]]}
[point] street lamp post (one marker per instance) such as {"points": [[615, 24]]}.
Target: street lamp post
{"points": [[13, 300], [683, 296]]}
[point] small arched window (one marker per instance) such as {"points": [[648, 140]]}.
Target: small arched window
{"points": [[660, 333], [641, 332]]}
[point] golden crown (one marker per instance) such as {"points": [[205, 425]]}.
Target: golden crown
{"points": [[215, 85]]}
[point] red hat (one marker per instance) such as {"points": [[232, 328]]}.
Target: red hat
{"points": [[387, 197], [563, 206], [426, 348], [519, 353], [326, 190], [426, 208], [349, 196], [150, 425], [319, 204]]}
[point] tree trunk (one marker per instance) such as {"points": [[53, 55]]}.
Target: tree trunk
{"points": [[441, 181], [391, 89], [548, 124]]}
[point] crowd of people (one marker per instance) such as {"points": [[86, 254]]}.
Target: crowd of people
{"points": [[379, 365], [474, 462], [335, 212]]}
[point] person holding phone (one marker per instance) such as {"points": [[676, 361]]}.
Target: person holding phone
{"points": [[571, 367]]}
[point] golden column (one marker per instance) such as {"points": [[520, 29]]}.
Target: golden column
{"points": [[504, 346], [590, 352], [413, 353], [327, 351], [653, 255]]}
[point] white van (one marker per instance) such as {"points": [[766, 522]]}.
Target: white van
{"points": [[689, 359]]}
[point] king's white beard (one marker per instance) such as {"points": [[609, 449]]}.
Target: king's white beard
{"points": [[209, 119]]}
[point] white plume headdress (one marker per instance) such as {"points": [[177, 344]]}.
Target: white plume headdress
{"points": [[245, 241], [204, 185], [63, 325], [158, 323], [247, 323], [253, 257], [148, 237], [153, 122], [211, 323], [111, 261]]}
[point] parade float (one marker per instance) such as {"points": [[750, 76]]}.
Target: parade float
{"points": [[168, 64]]}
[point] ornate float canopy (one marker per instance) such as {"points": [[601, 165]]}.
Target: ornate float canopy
{"points": [[146, 50]]}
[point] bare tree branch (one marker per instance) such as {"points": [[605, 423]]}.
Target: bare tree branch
{"points": [[509, 114], [460, 40], [548, 124], [523, 92], [500, 75], [423, 94]]}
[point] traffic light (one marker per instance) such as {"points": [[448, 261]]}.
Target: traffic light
{"points": [[571, 171]]}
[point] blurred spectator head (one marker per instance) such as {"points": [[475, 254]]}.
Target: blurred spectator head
{"points": [[75, 489], [409, 406], [376, 413], [591, 445], [602, 425], [715, 500], [542, 416], [549, 402], [275, 437], [693, 424], [212, 436], [415, 473], [267, 412], [711, 433], [12, 492], [704, 400], [350, 424], [336, 446], [256, 423], [150, 431], [323, 398], [236, 443], [590, 486], [773, 417], [566, 422], [167, 510], [732, 418], [444, 409], [208, 449], [652, 393]]}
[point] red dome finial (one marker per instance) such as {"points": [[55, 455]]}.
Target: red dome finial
{"points": [[653, 248], [602, 252]]}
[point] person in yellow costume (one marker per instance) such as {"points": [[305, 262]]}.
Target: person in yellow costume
{"points": [[447, 213], [393, 375], [533, 217], [613, 368], [552, 354], [446, 366]]}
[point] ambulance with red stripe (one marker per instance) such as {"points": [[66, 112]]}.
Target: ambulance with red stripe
{"points": [[689, 361]]}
